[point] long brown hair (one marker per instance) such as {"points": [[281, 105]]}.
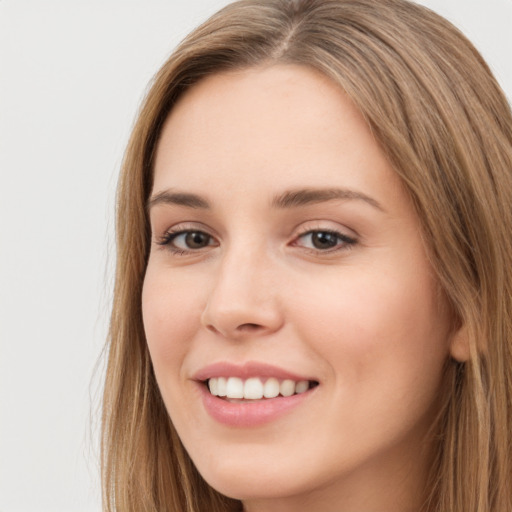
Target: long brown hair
{"points": [[446, 127]]}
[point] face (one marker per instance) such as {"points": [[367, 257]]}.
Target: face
{"points": [[287, 273]]}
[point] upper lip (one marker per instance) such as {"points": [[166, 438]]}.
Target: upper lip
{"points": [[246, 370]]}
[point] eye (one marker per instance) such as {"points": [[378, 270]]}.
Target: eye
{"points": [[325, 240], [185, 241]]}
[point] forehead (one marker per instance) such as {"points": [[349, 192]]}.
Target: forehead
{"points": [[280, 126]]}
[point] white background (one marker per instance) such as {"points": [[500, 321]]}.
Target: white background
{"points": [[72, 74]]}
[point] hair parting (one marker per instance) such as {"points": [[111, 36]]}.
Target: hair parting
{"points": [[446, 127]]}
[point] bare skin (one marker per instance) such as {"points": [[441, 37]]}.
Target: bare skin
{"points": [[338, 289]]}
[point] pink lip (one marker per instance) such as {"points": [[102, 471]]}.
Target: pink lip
{"points": [[246, 370], [248, 413]]}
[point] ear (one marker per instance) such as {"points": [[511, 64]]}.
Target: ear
{"points": [[459, 345]]}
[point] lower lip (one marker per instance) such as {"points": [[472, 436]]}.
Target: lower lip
{"points": [[250, 414]]}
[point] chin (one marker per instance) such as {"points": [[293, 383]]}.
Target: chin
{"points": [[250, 487], [245, 478]]}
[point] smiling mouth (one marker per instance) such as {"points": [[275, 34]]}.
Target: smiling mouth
{"points": [[256, 388]]}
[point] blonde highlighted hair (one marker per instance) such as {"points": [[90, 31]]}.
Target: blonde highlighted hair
{"points": [[446, 127]]}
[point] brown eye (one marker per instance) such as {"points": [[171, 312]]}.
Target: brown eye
{"points": [[196, 239], [325, 240], [186, 241]]}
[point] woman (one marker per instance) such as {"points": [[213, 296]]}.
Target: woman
{"points": [[313, 297]]}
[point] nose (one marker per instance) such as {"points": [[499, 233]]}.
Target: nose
{"points": [[243, 301]]}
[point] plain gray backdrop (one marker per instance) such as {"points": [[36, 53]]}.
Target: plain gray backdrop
{"points": [[72, 74]]}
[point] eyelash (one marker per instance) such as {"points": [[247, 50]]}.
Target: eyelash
{"points": [[343, 242], [167, 239], [346, 242]]}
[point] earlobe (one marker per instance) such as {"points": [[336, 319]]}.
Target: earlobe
{"points": [[459, 346]]}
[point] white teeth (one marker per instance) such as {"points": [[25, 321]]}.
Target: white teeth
{"points": [[271, 388], [235, 388], [221, 386], [254, 388], [287, 387], [213, 386], [301, 386]]}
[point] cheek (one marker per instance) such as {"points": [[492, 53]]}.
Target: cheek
{"points": [[383, 335], [170, 315]]}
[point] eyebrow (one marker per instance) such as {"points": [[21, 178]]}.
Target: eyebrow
{"points": [[305, 196], [288, 199], [178, 198]]}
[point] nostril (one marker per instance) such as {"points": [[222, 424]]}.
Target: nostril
{"points": [[249, 327], [213, 329]]}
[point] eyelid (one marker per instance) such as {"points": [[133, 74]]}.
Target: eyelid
{"points": [[348, 240], [345, 240], [183, 227], [165, 240]]}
